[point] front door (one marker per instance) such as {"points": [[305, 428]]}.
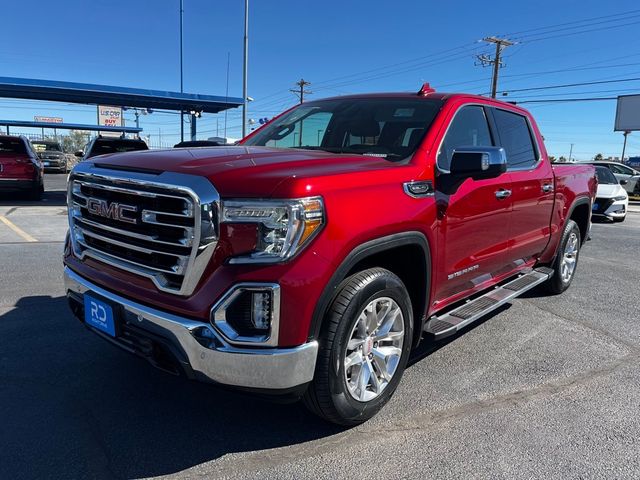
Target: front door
{"points": [[473, 236]]}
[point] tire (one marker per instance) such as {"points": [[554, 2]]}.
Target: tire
{"points": [[36, 192], [334, 394], [560, 281]]}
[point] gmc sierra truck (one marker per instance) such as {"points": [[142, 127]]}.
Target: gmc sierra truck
{"points": [[310, 259]]}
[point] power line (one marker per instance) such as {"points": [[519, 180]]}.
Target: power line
{"points": [[566, 85], [560, 100]]}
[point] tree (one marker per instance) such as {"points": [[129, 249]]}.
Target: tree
{"points": [[598, 157], [562, 159], [76, 140], [552, 159]]}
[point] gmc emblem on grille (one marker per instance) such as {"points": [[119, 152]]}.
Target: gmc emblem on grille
{"points": [[113, 210]]}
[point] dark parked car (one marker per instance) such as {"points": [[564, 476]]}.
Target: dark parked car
{"points": [[51, 154], [196, 143], [102, 145], [20, 168]]}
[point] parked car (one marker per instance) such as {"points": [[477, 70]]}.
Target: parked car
{"points": [[622, 172], [612, 201], [103, 145], [311, 259], [197, 143], [51, 154], [20, 168]]}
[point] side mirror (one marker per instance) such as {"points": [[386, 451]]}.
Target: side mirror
{"points": [[79, 154], [478, 162], [623, 182]]}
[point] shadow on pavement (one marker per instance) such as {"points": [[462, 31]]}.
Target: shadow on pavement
{"points": [[73, 406], [55, 194]]}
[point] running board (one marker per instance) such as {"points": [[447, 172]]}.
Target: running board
{"points": [[452, 321]]}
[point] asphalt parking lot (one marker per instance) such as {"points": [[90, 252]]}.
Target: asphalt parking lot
{"points": [[548, 387]]}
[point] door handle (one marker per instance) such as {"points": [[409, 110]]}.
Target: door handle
{"points": [[502, 194], [547, 187]]}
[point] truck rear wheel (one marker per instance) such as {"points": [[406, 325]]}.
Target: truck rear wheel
{"points": [[566, 261], [364, 348]]}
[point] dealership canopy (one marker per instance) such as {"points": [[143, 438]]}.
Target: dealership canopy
{"points": [[90, 94]]}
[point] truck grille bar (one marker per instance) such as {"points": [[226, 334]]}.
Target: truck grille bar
{"points": [[160, 226]]}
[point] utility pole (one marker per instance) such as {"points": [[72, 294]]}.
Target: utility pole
{"points": [[245, 68], [570, 152], [300, 91], [624, 145], [486, 60]]}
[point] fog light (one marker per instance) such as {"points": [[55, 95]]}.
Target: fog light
{"points": [[249, 314], [261, 311]]}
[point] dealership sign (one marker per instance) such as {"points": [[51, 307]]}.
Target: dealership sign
{"points": [[628, 113], [109, 116], [48, 119]]}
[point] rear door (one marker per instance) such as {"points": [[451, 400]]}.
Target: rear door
{"points": [[473, 219], [532, 185]]}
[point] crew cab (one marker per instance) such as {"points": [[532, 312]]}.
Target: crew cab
{"points": [[309, 260], [21, 170]]}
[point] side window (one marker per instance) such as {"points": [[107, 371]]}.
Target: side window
{"points": [[515, 138], [469, 128], [620, 169]]}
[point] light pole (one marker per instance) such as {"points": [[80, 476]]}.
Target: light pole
{"points": [[244, 68], [624, 145], [181, 76]]}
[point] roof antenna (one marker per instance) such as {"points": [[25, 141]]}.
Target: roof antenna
{"points": [[426, 89]]}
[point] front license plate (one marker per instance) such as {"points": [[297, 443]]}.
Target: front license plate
{"points": [[595, 207], [46, 164], [99, 315]]}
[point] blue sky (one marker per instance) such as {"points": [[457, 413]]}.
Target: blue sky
{"points": [[341, 47]]}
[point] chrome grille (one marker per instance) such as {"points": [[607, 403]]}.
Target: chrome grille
{"points": [[163, 226]]}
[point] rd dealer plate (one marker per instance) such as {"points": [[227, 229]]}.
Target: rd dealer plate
{"points": [[99, 315]]}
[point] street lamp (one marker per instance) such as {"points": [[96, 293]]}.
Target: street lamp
{"points": [[245, 69]]}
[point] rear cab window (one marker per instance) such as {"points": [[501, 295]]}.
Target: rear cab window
{"points": [[13, 145], [515, 136]]}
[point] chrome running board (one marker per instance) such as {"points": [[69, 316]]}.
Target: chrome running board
{"points": [[450, 322]]}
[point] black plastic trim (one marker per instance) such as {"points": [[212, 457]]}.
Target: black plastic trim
{"points": [[360, 253]]}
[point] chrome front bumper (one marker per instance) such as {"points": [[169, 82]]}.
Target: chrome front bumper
{"points": [[209, 356]]}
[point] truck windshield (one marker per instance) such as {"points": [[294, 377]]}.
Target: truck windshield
{"points": [[102, 147], [605, 177], [388, 127], [46, 146]]}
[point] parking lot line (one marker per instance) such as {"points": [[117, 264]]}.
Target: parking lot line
{"points": [[16, 229]]}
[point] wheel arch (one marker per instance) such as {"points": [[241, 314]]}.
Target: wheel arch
{"points": [[580, 212], [411, 249]]}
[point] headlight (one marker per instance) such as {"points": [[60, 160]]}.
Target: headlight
{"points": [[619, 197], [284, 226]]}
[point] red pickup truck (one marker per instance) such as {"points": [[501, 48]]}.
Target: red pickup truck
{"points": [[310, 259]]}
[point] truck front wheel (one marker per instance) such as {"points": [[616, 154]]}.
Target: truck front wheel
{"points": [[364, 348]]}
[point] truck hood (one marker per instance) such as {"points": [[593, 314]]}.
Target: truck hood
{"points": [[238, 171], [606, 190]]}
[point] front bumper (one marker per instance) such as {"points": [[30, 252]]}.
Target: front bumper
{"points": [[199, 349]]}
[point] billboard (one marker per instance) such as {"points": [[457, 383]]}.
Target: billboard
{"points": [[47, 119], [110, 117], [628, 113]]}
